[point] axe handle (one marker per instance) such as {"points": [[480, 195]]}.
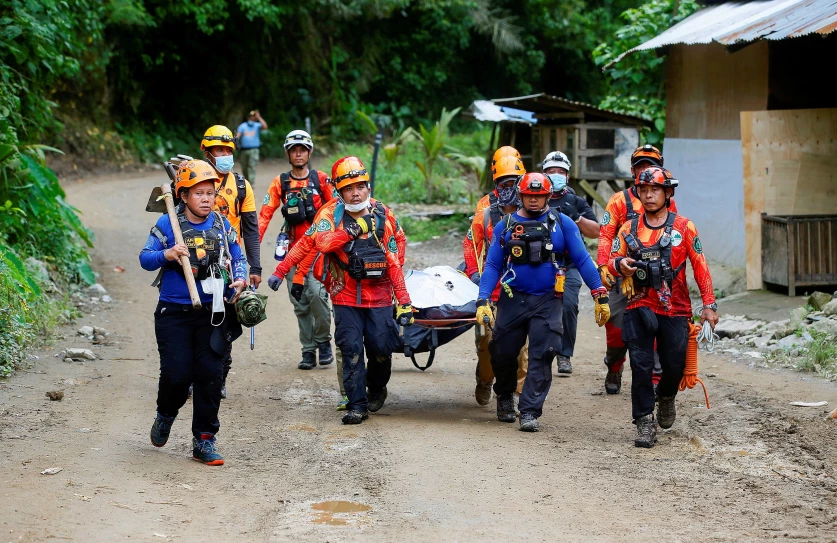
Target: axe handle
{"points": [[178, 238]]}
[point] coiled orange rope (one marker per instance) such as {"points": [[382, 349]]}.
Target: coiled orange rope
{"points": [[690, 378]]}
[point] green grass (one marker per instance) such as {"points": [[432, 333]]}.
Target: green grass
{"points": [[424, 230], [820, 355]]}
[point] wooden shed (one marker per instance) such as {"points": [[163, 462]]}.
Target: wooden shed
{"points": [[751, 129], [598, 142]]}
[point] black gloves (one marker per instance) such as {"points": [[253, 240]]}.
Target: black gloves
{"points": [[296, 291], [570, 211], [362, 226]]}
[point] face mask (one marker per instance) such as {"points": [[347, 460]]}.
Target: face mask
{"points": [[224, 163], [354, 208], [506, 196], [559, 181]]}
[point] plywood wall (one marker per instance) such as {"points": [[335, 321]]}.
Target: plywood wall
{"points": [[707, 87], [777, 136]]}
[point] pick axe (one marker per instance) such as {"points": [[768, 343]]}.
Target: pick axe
{"points": [[154, 205]]}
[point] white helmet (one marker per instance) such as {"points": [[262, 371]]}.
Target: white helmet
{"points": [[298, 137], [556, 159]]}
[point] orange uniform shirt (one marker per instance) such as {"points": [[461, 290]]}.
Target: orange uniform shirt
{"points": [[615, 215], [274, 199], [476, 242], [685, 243]]}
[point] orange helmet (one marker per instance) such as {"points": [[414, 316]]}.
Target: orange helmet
{"points": [[647, 153], [348, 171], [534, 184], [657, 176], [507, 165], [192, 172], [506, 150]]}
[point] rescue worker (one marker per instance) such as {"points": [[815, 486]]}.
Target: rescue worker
{"points": [[506, 168], [191, 346], [524, 258], [556, 167], [362, 274], [301, 193], [234, 200], [621, 208], [302, 256], [650, 253], [248, 135]]}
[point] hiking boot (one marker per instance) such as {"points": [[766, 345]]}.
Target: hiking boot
{"points": [[224, 390], [482, 392], [646, 431], [666, 413], [309, 361], [377, 399], [343, 404], [355, 417], [613, 381], [505, 408], [529, 423], [326, 356], [160, 430], [203, 450], [565, 368]]}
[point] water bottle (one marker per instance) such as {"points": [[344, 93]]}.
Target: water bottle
{"points": [[282, 243]]}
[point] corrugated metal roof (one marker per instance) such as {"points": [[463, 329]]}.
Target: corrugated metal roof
{"points": [[545, 103], [739, 22]]}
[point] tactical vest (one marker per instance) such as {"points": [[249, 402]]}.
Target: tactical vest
{"points": [[653, 263], [530, 241], [630, 212], [367, 258], [204, 246], [299, 205]]}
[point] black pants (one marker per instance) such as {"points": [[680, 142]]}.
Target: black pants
{"points": [[672, 336], [539, 318], [572, 285], [372, 328], [186, 357]]}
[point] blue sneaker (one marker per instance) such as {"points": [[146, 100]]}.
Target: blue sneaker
{"points": [[203, 450], [343, 404], [160, 430]]}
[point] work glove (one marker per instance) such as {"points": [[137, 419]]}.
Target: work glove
{"points": [[362, 226], [570, 211], [274, 282], [628, 287], [475, 278], [485, 315], [296, 291], [607, 277], [602, 307], [404, 314]]}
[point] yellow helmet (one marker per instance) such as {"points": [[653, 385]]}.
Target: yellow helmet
{"points": [[348, 171], [506, 150], [218, 135], [507, 165], [192, 172]]}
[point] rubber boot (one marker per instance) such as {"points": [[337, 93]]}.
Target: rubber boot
{"points": [[646, 431]]}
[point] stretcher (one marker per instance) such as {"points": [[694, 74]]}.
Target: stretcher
{"points": [[445, 301]]}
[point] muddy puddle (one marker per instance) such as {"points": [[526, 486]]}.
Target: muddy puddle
{"points": [[337, 512]]}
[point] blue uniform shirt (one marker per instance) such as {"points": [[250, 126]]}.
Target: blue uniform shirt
{"points": [[173, 287], [537, 279], [249, 131]]}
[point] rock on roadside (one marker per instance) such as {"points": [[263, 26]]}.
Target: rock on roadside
{"points": [[818, 300], [735, 326], [77, 354]]}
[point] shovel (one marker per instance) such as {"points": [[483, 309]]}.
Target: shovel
{"points": [[160, 201]]}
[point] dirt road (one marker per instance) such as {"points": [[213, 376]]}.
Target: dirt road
{"points": [[430, 466]]}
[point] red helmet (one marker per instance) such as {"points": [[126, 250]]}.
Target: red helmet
{"points": [[534, 183], [647, 153], [657, 176]]}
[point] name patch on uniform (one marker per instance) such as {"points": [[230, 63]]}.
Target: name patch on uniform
{"points": [[698, 246], [323, 225], [605, 218], [649, 255], [676, 238]]}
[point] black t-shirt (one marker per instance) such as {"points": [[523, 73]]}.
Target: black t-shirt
{"points": [[580, 204]]}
